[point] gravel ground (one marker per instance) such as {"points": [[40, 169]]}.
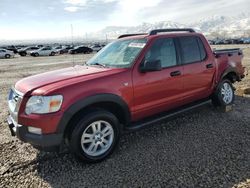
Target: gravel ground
{"points": [[202, 148]]}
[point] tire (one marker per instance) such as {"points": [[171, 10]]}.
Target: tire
{"points": [[7, 56], [88, 141], [36, 54], [52, 53], [224, 94], [23, 54]]}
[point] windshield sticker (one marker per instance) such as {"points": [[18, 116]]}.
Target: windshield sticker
{"points": [[136, 45]]}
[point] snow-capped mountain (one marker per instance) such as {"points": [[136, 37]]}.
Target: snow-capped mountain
{"points": [[114, 31], [226, 26]]}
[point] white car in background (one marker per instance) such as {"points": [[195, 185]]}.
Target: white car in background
{"points": [[6, 53], [96, 47], [44, 51]]}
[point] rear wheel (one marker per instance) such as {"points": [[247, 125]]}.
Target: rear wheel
{"points": [[95, 136], [224, 94], [7, 56], [52, 53], [36, 54]]}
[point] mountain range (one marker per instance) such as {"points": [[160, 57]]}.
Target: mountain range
{"points": [[214, 26]]}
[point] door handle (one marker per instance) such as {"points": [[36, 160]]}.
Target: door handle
{"points": [[175, 73], [209, 66]]}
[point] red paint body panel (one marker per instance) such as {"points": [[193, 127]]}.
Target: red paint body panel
{"points": [[144, 93]]}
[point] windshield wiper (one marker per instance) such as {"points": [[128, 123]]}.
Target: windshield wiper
{"points": [[96, 63]]}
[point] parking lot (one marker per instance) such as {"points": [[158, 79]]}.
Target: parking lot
{"points": [[202, 148]]}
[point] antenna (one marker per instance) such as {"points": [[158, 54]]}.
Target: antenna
{"points": [[72, 43]]}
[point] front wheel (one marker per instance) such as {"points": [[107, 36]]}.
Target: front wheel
{"points": [[95, 136], [224, 94], [52, 53]]}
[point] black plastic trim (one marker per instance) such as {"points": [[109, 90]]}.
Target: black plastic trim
{"points": [[231, 70], [166, 115], [156, 31], [46, 142], [82, 103], [130, 35]]}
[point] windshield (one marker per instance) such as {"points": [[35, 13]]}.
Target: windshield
{"points": [[119, 54]]}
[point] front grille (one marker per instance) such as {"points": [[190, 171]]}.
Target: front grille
{"points": [[14, 101]]}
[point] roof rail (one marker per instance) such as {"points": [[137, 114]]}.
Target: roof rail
{"points": [[130, 35], [155, 31]]}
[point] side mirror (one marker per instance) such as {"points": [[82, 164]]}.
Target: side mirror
{"points": [[149, 66]]}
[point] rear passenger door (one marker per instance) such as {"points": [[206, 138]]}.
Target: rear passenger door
{"points": [[198, 71]]}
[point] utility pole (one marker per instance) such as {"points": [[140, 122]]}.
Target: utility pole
{"points": [[106, 38], [72, 39]]}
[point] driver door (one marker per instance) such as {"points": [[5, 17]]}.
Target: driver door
{"points": [[162, 90]]}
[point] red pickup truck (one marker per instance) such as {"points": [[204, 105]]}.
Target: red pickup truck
{"points": [[134, 81]]}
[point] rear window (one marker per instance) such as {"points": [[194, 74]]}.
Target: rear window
{"points": [[192, 50]]}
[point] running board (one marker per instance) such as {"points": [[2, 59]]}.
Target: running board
{"points": [[166, 115]]}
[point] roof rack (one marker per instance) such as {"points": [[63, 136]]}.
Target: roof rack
{"points": [[155, 31], [130, 35]]}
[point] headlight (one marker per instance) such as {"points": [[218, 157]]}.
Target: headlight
{"points": [[43, 104]]}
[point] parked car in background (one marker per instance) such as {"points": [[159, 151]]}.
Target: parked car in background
{"points": [[44, 51], [63, 49], [58, 48], [39, 46], [218, 41], [211, 42], [246, 41], [6, 53], [11, 48], [81, 49], [96, 47], [25, 51]]}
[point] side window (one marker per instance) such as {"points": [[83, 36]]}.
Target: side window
{"points": [[190, 50], [163, 50]]}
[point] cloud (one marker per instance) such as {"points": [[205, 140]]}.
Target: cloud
{"points": [[76, 2], [32, 19], [72, 9], [3, 14], [51, 8], [129, 11]]}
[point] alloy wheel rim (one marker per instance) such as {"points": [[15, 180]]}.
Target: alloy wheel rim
{"points": [[227, 93], [97, 138]]}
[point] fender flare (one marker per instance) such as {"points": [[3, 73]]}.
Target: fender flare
{"points": [[84, 102], [229, 70]]}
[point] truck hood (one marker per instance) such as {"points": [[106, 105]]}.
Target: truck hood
{"points": [[33, 82]]}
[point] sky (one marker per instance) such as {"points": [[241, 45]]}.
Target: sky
{"points": [[41, 19]]}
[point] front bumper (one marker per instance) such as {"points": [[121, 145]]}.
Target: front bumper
{"points": [[46, 142]]}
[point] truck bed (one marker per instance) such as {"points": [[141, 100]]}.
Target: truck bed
{"points": [[229, 52], [229, 58]]}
